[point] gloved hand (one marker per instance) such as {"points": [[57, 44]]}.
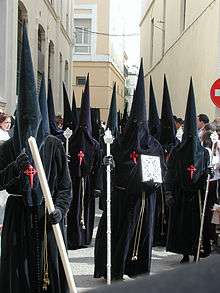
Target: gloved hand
{"points": [[108, 160], [169, 199], [22, 162], [55, 217], [211, 172], [97, 193]]}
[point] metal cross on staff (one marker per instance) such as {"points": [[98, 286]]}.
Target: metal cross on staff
{"points": [[30, 172]]}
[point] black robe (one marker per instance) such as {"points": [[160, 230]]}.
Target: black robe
{"points": [[125, 207], [83, 204], [18, 246], [185, 213]]}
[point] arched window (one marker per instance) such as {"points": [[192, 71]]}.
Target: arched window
{"points": [[22, 16], [66, 73], [61, 76], [41, 57], [51, 61]]}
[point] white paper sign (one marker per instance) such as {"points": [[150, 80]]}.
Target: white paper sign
{"points": [[151, 169]]}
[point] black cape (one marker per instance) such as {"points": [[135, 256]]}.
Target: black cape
{"points": [[18, 245]]}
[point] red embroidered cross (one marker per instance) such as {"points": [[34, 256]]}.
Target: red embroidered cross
{"points": [[81, 157], [30, 172], [192, 170], [134, 157]]}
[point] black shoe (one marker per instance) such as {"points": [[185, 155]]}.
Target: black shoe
{"points": [[185, 259]]}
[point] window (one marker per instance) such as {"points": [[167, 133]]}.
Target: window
{"points": [[164, 26], [51, 60], [41, 52], [67, 22], [61, 74], [80, 80], [183, 15], [22, 15], [82, 35], [66, 74], [152, 43]]}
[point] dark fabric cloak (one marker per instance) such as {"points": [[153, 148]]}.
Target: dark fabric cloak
{"points": [[84, 163], [168, 141], [186, 181], [17, 259], [133, 203]]}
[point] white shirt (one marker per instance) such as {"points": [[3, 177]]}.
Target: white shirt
{"points": [[179, 133], [4, 135]]}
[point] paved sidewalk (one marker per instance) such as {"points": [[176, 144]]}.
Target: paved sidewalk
{"points": [[82, 262]]}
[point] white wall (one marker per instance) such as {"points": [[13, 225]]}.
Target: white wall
{"points": [[194, 52], [40, 13]]}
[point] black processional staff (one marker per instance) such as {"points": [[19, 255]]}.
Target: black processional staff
{"points": [[214, 138]]}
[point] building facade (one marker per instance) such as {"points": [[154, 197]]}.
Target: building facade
{"points": [[49, 24], [181, 39], [99, 52]]}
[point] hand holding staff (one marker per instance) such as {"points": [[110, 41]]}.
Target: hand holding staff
{"points": [[50, 207]]}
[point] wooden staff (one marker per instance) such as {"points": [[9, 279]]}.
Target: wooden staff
{"points": [[214, 138], [50, 207], [108, 138]]}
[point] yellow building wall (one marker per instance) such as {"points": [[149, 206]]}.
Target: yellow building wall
{"points": [[102, 76]]}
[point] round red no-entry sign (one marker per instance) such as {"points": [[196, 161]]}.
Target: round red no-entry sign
{"points": [[215, 93]]}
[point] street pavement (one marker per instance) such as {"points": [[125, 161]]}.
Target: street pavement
{"points": [[82, 262]]}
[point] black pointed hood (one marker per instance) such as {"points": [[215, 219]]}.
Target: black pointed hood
{"points": [[138, 109], [81, 142], [51, 113], [112, 122], [168, 129], [137, 125], [154, 120], [28, 111], [85, 111], [124, 119], [190, 154], [44, 128], [190, 122], [67, 113], [75, 119]]}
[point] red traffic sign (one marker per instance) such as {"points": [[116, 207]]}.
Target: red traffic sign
{"points": [[215, 93]]}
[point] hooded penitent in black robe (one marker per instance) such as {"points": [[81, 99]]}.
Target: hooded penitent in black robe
{"points": [[133, 204], [168, 140], [24, 236], [84, 164], [185, 181]]}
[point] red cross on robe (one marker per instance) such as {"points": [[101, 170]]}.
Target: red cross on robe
{"points": [[81, 157], [191, 169], [134, 156], [30, 172]]}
